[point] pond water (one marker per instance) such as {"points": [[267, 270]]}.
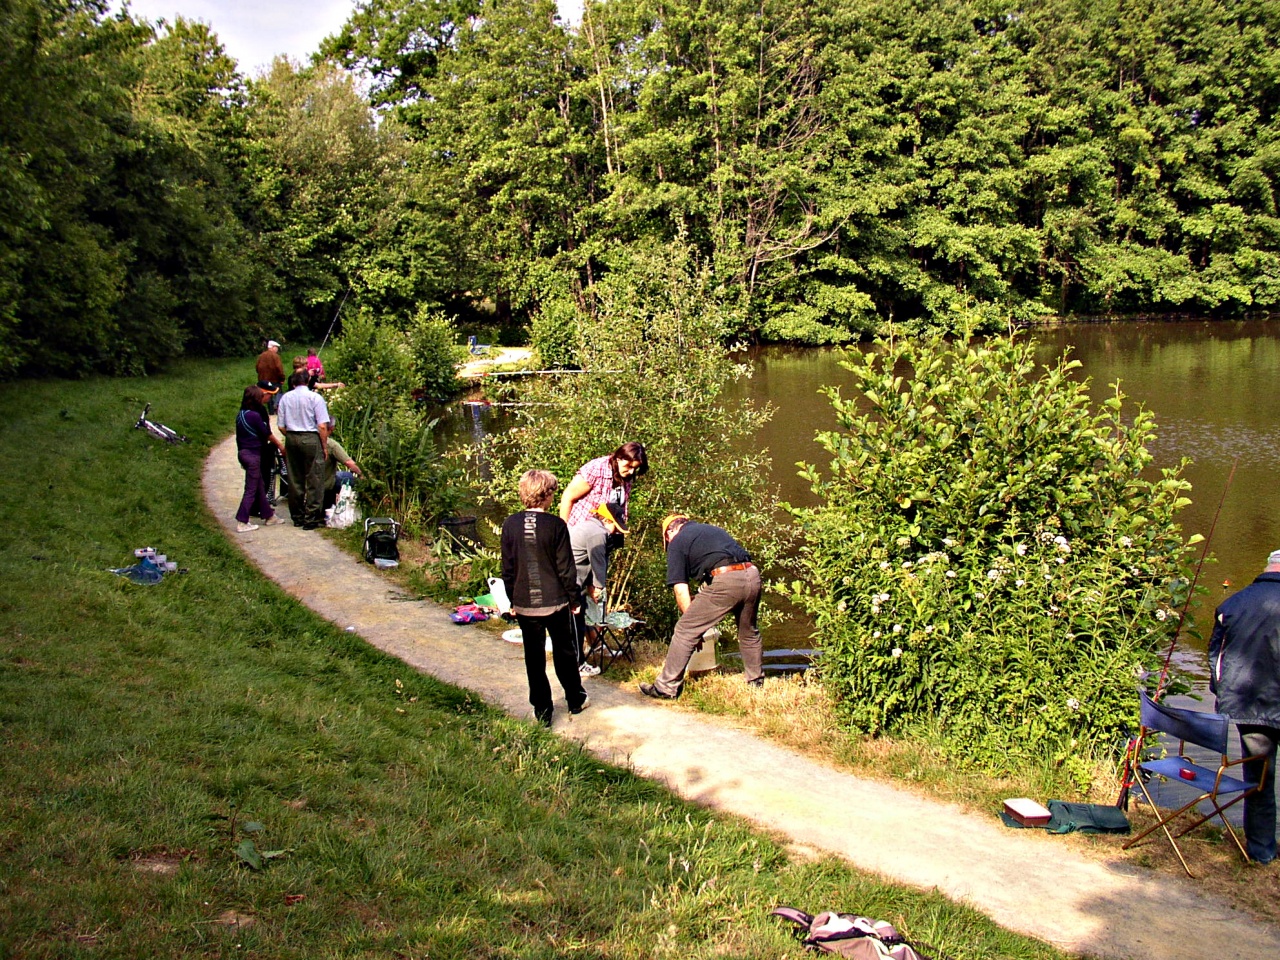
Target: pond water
{"points": [[1208, 384]]}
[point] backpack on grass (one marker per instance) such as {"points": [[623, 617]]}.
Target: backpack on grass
{"points": [[850, 936], [380, 536]]}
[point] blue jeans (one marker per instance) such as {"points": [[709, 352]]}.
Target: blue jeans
{"points": [[1260, 807]]}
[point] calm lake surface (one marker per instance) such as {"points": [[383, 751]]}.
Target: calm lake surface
{"points": [[1210, 386]]}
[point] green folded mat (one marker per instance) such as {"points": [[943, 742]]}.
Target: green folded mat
{"points": [[1078, 818]]}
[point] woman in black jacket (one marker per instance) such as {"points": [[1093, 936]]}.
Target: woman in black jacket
{"points": [[542, 583]]}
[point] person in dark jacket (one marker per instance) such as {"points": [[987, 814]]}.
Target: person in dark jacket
{"points": [[729, 583], [1244, 673], [542, 584], [254, 441]]}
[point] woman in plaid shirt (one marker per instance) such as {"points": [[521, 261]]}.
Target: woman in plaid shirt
{"points": [[603, 480]]}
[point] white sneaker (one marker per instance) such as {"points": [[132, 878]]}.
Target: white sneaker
{"points": [[588, 670], [246, 527], [274, 521]]}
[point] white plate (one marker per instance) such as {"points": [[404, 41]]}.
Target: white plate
{"points": [[515, 636]]}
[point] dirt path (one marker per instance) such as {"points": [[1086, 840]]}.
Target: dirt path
{"points": [[1025, 880]]}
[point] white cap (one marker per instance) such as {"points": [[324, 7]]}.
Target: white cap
{"points": [[272, 343], [1274, 558]]}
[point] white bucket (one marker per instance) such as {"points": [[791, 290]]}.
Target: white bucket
{"points": [[704, 658]]}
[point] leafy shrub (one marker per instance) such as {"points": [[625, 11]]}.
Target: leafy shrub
{"points": [[555, 334], [431, 344], [373, 356], [656, 371], [406, 475], [988, 557]]}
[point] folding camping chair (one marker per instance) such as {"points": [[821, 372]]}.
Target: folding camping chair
{"points": [[613, 634], [1206, 730]]}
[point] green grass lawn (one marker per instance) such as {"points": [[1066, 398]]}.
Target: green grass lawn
{"points": [[157, 739]]}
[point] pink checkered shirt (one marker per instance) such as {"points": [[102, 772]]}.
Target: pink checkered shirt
{"points": [[598, 473]]}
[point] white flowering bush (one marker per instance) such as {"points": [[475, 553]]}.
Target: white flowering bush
{"points": [[992, 557]]}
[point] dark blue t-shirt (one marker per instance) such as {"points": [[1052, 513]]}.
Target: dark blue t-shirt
{"points": [[697, 550], [251, 431]]}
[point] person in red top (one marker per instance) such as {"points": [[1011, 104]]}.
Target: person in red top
{"points": [[315, 366]]}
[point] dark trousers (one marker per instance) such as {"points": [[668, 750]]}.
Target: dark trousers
{"points": [[1260, 807], [564, 657], [734, 591], [305, 455], [254, 502]]}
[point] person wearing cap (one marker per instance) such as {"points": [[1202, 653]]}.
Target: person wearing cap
{"points": [[592, 540], [339, 467], [729, 583], [270, 373], [1244, 674]]}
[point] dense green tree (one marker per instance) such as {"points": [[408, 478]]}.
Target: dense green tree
{"points": [[122, 242], [331, 202]]}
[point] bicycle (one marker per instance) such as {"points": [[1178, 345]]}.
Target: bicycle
{"points": [[158, 430]]}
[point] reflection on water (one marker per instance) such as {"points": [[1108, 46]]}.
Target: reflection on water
{"points": [[1207, 384]]}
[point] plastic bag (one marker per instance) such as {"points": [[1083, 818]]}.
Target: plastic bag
{"points": [[343, 513], [498, 590]]}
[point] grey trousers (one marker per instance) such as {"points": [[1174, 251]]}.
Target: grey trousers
{"points": [[735, 591], [305, 455]]}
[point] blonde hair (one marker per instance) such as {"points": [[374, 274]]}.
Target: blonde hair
{"points": [[537, 487]]}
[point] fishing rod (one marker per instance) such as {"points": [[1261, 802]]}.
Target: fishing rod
{"points": [[1204, 554], [334, 320], [1134, 747]]}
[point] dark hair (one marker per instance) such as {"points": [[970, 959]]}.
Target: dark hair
{"points": [[629, 451], [254, 399], [298, 379]]}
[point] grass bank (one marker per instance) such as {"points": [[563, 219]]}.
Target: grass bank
{"points": [[159, 742]]}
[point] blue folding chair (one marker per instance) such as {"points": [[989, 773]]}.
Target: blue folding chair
{"points": [[1208, 731]]}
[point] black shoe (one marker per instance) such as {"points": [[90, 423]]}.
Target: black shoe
{"points": [[586, 702], [312, 526], [649, 690], [757, 682], [544, 719]]}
